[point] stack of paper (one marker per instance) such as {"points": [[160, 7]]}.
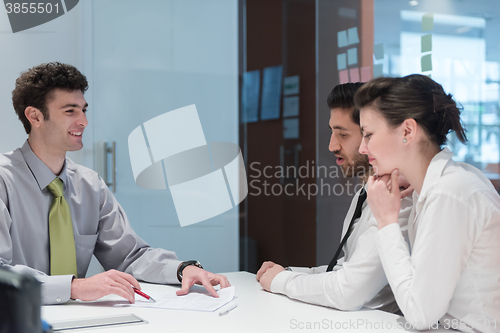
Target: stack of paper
{"points": [[196, 300]]}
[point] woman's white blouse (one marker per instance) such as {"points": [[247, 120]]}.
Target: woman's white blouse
{"points": [[453, 273]]}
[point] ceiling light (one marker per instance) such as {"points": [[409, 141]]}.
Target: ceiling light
{"points": [[413, 2]]}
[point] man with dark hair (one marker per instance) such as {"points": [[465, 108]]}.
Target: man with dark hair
{"points": [[54, 214], [35, 88], [345, 147], [357, 280]]}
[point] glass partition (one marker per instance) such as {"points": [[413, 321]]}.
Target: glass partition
{"points": [[150, 58], [460, 38]]}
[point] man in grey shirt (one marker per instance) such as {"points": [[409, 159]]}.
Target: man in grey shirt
{"points": [[49, 102]]}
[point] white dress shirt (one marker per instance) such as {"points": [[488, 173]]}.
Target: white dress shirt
{"points": [[453, 273], [357, 280]]}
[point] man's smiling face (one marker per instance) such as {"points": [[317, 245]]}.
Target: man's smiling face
{"points": [[63, 129]]}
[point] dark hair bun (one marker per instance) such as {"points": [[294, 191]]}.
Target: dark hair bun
{"points": [[414, 97]]}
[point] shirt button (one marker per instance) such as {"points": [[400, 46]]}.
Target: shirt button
{"points": [[58, 300]]}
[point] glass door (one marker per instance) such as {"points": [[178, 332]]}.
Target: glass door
{"points": [[150, 58]]}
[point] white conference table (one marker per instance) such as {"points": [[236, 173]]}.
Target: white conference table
{"points": [[257, 311]]}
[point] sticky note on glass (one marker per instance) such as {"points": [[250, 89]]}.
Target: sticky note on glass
{"points": [[291, 106], [352, 56], [378, 70], [428, 22], [342, 38], [341, 61], [354, 74], [426, 63], [343, 76], [426, 43], [291, 85], [352, 35], [250, 96], [366, 73], [291, 128], [378, 51], [347, 12]]}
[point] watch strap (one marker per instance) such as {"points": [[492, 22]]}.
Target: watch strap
{"points": [[184, 264]]}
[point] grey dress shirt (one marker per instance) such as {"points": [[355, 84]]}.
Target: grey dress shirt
{"points": [[100, 226]]}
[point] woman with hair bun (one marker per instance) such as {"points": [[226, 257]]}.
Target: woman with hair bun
{"points": [[451, 273]]}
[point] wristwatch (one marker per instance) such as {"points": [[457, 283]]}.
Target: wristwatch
{"points": [[184, 264]]}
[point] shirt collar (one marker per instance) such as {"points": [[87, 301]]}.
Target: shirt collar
{"points": [[434, 171], [43, 175]]}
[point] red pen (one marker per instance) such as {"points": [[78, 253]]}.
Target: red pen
{"points": [[146, 296]]}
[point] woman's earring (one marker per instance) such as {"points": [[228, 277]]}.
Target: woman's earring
{"points": [[404, 140]]}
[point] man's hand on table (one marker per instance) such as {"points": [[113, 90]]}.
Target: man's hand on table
{"points": [[192, 275], [267, 273], [103, 284], [265, 266]]}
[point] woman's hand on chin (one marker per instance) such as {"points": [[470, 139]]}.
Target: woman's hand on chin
{"points": [[384, 200], [405, 189]]}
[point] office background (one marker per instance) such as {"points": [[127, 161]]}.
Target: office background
{"points": [[144, 58]]}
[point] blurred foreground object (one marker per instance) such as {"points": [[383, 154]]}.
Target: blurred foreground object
{"points": [[20, 303]]}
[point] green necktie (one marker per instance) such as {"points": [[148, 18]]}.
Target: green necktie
{"points": [[62, 241]]}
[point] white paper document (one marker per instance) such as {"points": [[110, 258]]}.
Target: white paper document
{"points": [[197, 300]]}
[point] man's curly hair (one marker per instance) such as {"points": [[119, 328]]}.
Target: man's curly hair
{"points": [[33, 87]]}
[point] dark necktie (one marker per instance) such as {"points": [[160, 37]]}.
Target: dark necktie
{"points": [[357, 214]]}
